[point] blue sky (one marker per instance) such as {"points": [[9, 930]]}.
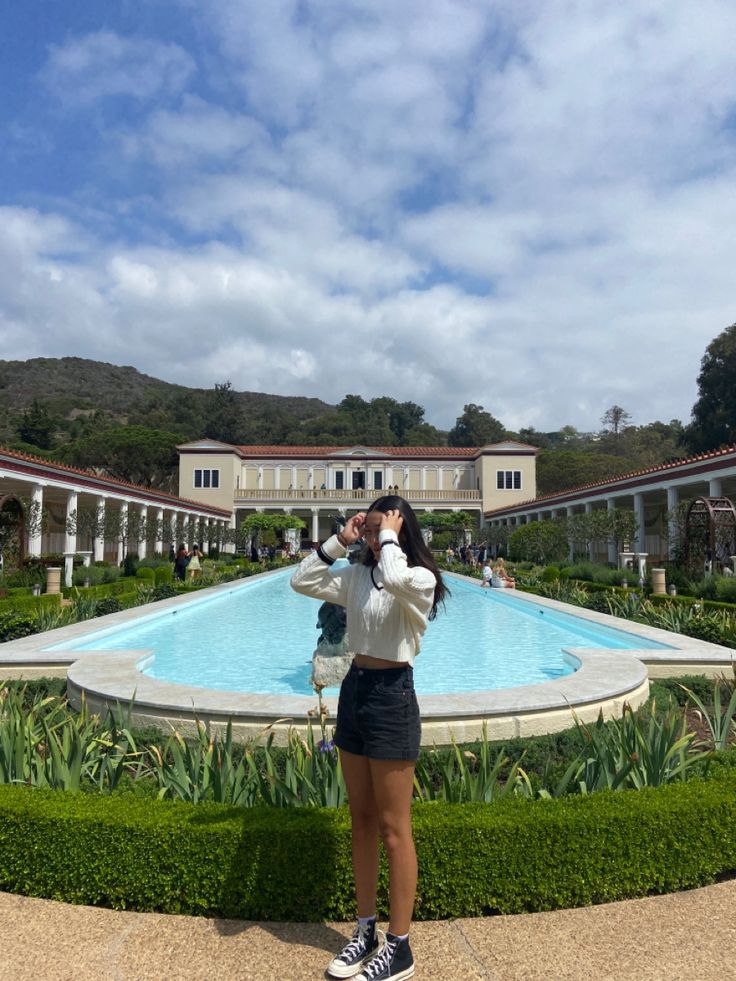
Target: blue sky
{"points": [[527, 206]]}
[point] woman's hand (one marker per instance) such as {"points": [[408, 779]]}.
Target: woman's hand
{"points": [[353, 529], [392, 521]]}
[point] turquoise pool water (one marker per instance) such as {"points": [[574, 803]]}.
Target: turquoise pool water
{"points": [[259, 637]]}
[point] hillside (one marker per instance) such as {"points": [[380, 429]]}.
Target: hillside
{"points": [[72, 389]]}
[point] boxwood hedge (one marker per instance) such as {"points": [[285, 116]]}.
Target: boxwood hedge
{"points": [[294, 864]]}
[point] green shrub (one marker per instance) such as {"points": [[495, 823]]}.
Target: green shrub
{"points": [[130, 564], [166, 590], [95, 574], [294, 864], [550, 574], [109, 605], [30, 604], [164, 574], [16, 625], [145, 573]]}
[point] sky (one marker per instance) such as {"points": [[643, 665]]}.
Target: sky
{"points": [[530, 206]]}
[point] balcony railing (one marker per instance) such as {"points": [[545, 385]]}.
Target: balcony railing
{"points": [[304, 496]]}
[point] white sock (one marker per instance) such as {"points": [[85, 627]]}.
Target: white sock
{"points": [[400, 936]]}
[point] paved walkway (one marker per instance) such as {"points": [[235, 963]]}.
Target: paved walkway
{"points": [[689, 935]]}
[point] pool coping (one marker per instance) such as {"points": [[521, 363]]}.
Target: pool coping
{"points": [[604, 680]]}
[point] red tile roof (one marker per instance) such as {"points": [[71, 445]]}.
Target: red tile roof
{"points": [[660, 468], [113, 482], [402, 452]]}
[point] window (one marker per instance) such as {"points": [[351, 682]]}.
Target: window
{"points": [[508, 480], [206, 478], [339, 480], [377, 480], [358, 480]]}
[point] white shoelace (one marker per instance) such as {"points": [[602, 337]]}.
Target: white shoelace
{"points": [[356, 945], [381, 960]]}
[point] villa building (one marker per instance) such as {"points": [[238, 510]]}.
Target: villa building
{"points": [[320, 483], [653, 494]]}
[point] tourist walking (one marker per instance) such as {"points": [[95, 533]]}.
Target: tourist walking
{"points": [[389, 597]]}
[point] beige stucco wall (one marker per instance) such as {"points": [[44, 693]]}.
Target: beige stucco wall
{"points": [[489, 464], [220, 497]]}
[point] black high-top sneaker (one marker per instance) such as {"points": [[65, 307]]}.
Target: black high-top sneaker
{"points": [[393, 962], [356, 952]]}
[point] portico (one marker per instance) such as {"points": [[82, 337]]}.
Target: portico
{"points": [[653, 494], [70, 511]]}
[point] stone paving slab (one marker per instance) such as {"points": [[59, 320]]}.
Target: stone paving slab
{"points": [[690, 935]]}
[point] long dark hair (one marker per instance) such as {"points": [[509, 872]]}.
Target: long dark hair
{"points": [[413, 544]]}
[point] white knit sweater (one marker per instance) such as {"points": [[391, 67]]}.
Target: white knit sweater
{"points": [[386, 622]]}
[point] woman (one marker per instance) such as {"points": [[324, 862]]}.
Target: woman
{"points": [[501, 578], [389, 596], [195, 564], [181, 562]]}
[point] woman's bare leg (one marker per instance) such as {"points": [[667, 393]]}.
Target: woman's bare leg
{"points": [[364, 818], [393, 782]]}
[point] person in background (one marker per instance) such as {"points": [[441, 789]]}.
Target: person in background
{"points": [[195, 563], [181, 561], [501, 578], [487, 573]]}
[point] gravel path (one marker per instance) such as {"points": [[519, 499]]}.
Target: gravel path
{"points": [[688, 935]]}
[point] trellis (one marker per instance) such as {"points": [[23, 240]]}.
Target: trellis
{"points": [[12, 507], [710, 530]]}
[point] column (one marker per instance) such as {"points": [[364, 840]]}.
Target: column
{"points": [[35, 525], [70, 540], [142, 544], [315, 524], [310, 478], [160, 532], [673, 499], [591, 543], [259, 479], [98, 542], [232, 525], [389, 476], [122, 541], [569, 511], [277, 478], [640, 541], [715, 487], [424, 478], [209, 534], [612, 557]]}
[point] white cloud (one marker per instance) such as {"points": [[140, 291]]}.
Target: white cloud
{"points": [[104, 64], [525, 206]]}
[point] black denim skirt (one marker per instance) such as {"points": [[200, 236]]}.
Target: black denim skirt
{"points": [[378, 715]]}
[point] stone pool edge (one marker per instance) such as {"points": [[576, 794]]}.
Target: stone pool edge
{"points": [[604, 681]]}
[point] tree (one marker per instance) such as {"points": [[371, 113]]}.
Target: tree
{"points": [[475, 427], [562, 469], [446, 520], [260, 522], [134, 453], [222, 414], [539, 541], [714, 413], [36, 426], [615, 422]]}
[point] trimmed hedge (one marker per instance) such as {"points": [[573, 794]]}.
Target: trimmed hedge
{"points": [[294, 863], [30, 604]]}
